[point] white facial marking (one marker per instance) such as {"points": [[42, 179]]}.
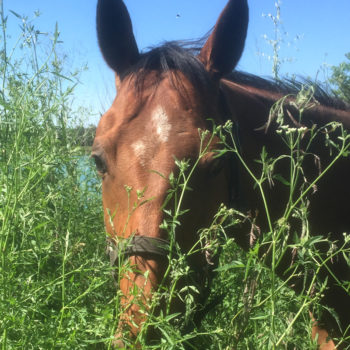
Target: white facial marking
{"points": [[144, 148], [161, 124], [140, 151]]}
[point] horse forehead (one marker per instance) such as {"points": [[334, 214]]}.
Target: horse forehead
{"points": [[164, 134], [156, 135], [151, 116]]}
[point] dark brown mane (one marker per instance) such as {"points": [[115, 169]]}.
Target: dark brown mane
{"points": [[289, 86], [180, 56]]}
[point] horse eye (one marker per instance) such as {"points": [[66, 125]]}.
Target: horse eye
{"points": [[100, 164]]}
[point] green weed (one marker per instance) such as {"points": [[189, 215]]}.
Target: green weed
{"points": [[56, 289]]}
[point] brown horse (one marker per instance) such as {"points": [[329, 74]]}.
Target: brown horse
{"points": [[164, 97]]}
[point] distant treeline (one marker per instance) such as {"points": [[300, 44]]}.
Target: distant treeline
{"points": [[81, 135]]}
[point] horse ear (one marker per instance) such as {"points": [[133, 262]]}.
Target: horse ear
{"points": [[225, 45], [115, 35]]}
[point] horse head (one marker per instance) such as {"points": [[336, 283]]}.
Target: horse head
{"points": [[164, 97]]}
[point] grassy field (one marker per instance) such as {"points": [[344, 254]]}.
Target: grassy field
{"points": [[56, 290], [55, 286]]}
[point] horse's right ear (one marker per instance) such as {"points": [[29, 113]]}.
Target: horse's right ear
{"points": [[115, 35], [225, 45]]}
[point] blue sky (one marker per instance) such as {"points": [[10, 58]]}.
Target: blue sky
{"points": [[315, 33]]}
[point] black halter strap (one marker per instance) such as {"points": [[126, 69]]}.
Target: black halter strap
{"points": [[137, 246]]}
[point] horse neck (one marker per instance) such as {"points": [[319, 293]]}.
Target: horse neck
{"points": [[250, 107]]}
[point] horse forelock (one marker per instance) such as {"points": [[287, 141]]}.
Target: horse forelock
{"points": [[174, 57]]}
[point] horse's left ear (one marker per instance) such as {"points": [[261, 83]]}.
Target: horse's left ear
{"points": [[225, 45]]}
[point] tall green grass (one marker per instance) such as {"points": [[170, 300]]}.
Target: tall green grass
{"points": [[56, 290]]}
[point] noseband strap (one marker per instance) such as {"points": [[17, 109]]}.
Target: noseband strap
{"points": [[137, 246]]}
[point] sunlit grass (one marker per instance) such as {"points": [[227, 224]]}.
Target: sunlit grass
{"points": [[56, 289]]}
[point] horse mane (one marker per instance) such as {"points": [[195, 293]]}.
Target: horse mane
{"points": [[287, 86], [180, 56]]}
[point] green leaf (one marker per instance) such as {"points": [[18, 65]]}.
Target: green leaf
{"points": [[16, 14], [281, 179], [233, 265]]}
